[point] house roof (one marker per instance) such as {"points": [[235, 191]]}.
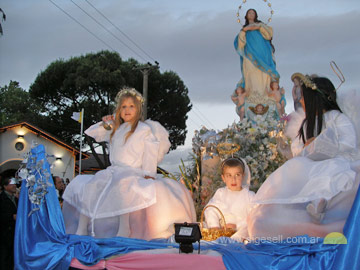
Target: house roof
{"points": [[46, 135]]}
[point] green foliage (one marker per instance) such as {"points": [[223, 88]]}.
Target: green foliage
{"points": [[92, 81], [169, 104], [16, 105]]}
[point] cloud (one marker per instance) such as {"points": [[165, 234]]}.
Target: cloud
{"points": [[196, 44], [192, 38], [200, 49], [173, 159]]}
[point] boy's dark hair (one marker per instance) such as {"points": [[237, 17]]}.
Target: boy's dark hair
{"points": [[232, 162]]}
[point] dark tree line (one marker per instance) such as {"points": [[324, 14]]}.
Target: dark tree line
{"points": [[91, 82]]}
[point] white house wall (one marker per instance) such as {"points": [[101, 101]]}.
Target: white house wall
{"points": [[65, 168]]}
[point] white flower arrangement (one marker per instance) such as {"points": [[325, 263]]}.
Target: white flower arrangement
{"points": [[258, 145]]}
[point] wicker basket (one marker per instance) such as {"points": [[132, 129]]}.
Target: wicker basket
{"points": [[210, 234]]}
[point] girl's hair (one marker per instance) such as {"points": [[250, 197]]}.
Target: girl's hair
{"points": [[136, 98], [256, 20], [232, 162], [317, 101]]}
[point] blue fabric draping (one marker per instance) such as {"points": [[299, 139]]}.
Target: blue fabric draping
{"points": [[40, 238], [41, 242], [348, 256], [259, 51], [269, 255]]}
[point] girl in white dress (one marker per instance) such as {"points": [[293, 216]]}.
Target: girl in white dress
{"points": [[312, 193], [128, 198]]}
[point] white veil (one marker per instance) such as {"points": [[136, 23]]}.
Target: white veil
{"points": [[349, 102], [247, 175]]}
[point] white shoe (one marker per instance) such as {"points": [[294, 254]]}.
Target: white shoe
{"points": [[316, 209]]}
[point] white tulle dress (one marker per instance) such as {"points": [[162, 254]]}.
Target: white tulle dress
{"points": [[119, 201], [327, 168]]}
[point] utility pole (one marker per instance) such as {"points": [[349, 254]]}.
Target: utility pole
{"points": [[145, 70]]}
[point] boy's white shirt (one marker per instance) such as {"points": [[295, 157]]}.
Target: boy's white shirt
{"points": [[234, 205]]}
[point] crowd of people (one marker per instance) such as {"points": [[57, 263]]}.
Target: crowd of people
{"points": [[9, 197], [8, 208]]}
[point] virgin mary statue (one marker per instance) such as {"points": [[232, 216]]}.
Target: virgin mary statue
{"points": [[258, 67]]}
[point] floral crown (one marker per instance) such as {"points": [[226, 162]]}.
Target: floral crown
{"points": [[305, 79], [129, 91]]}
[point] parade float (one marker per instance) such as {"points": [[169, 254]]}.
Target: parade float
{"points": [[41, 241]]}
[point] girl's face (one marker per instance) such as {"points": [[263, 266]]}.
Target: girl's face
{"points": [[251, 15], [128, 110], [232, 177]]}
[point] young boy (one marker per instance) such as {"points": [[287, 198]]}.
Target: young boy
{"points": [[234, 199]]}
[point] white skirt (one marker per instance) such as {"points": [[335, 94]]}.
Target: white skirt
{"points": [[110, 192], [118, 201], [280, 205], [301, 180]]}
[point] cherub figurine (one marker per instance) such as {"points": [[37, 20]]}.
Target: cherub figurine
{"points": [[238, 97], [259, 109], [278, 94]]}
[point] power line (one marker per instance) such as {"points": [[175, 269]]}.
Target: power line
{"points": [[196, 124], [202, 117], [82, 26], [108, 30], [192, 120], [122, 32]]}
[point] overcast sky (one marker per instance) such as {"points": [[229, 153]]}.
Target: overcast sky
{"points": [[192, 38]]}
